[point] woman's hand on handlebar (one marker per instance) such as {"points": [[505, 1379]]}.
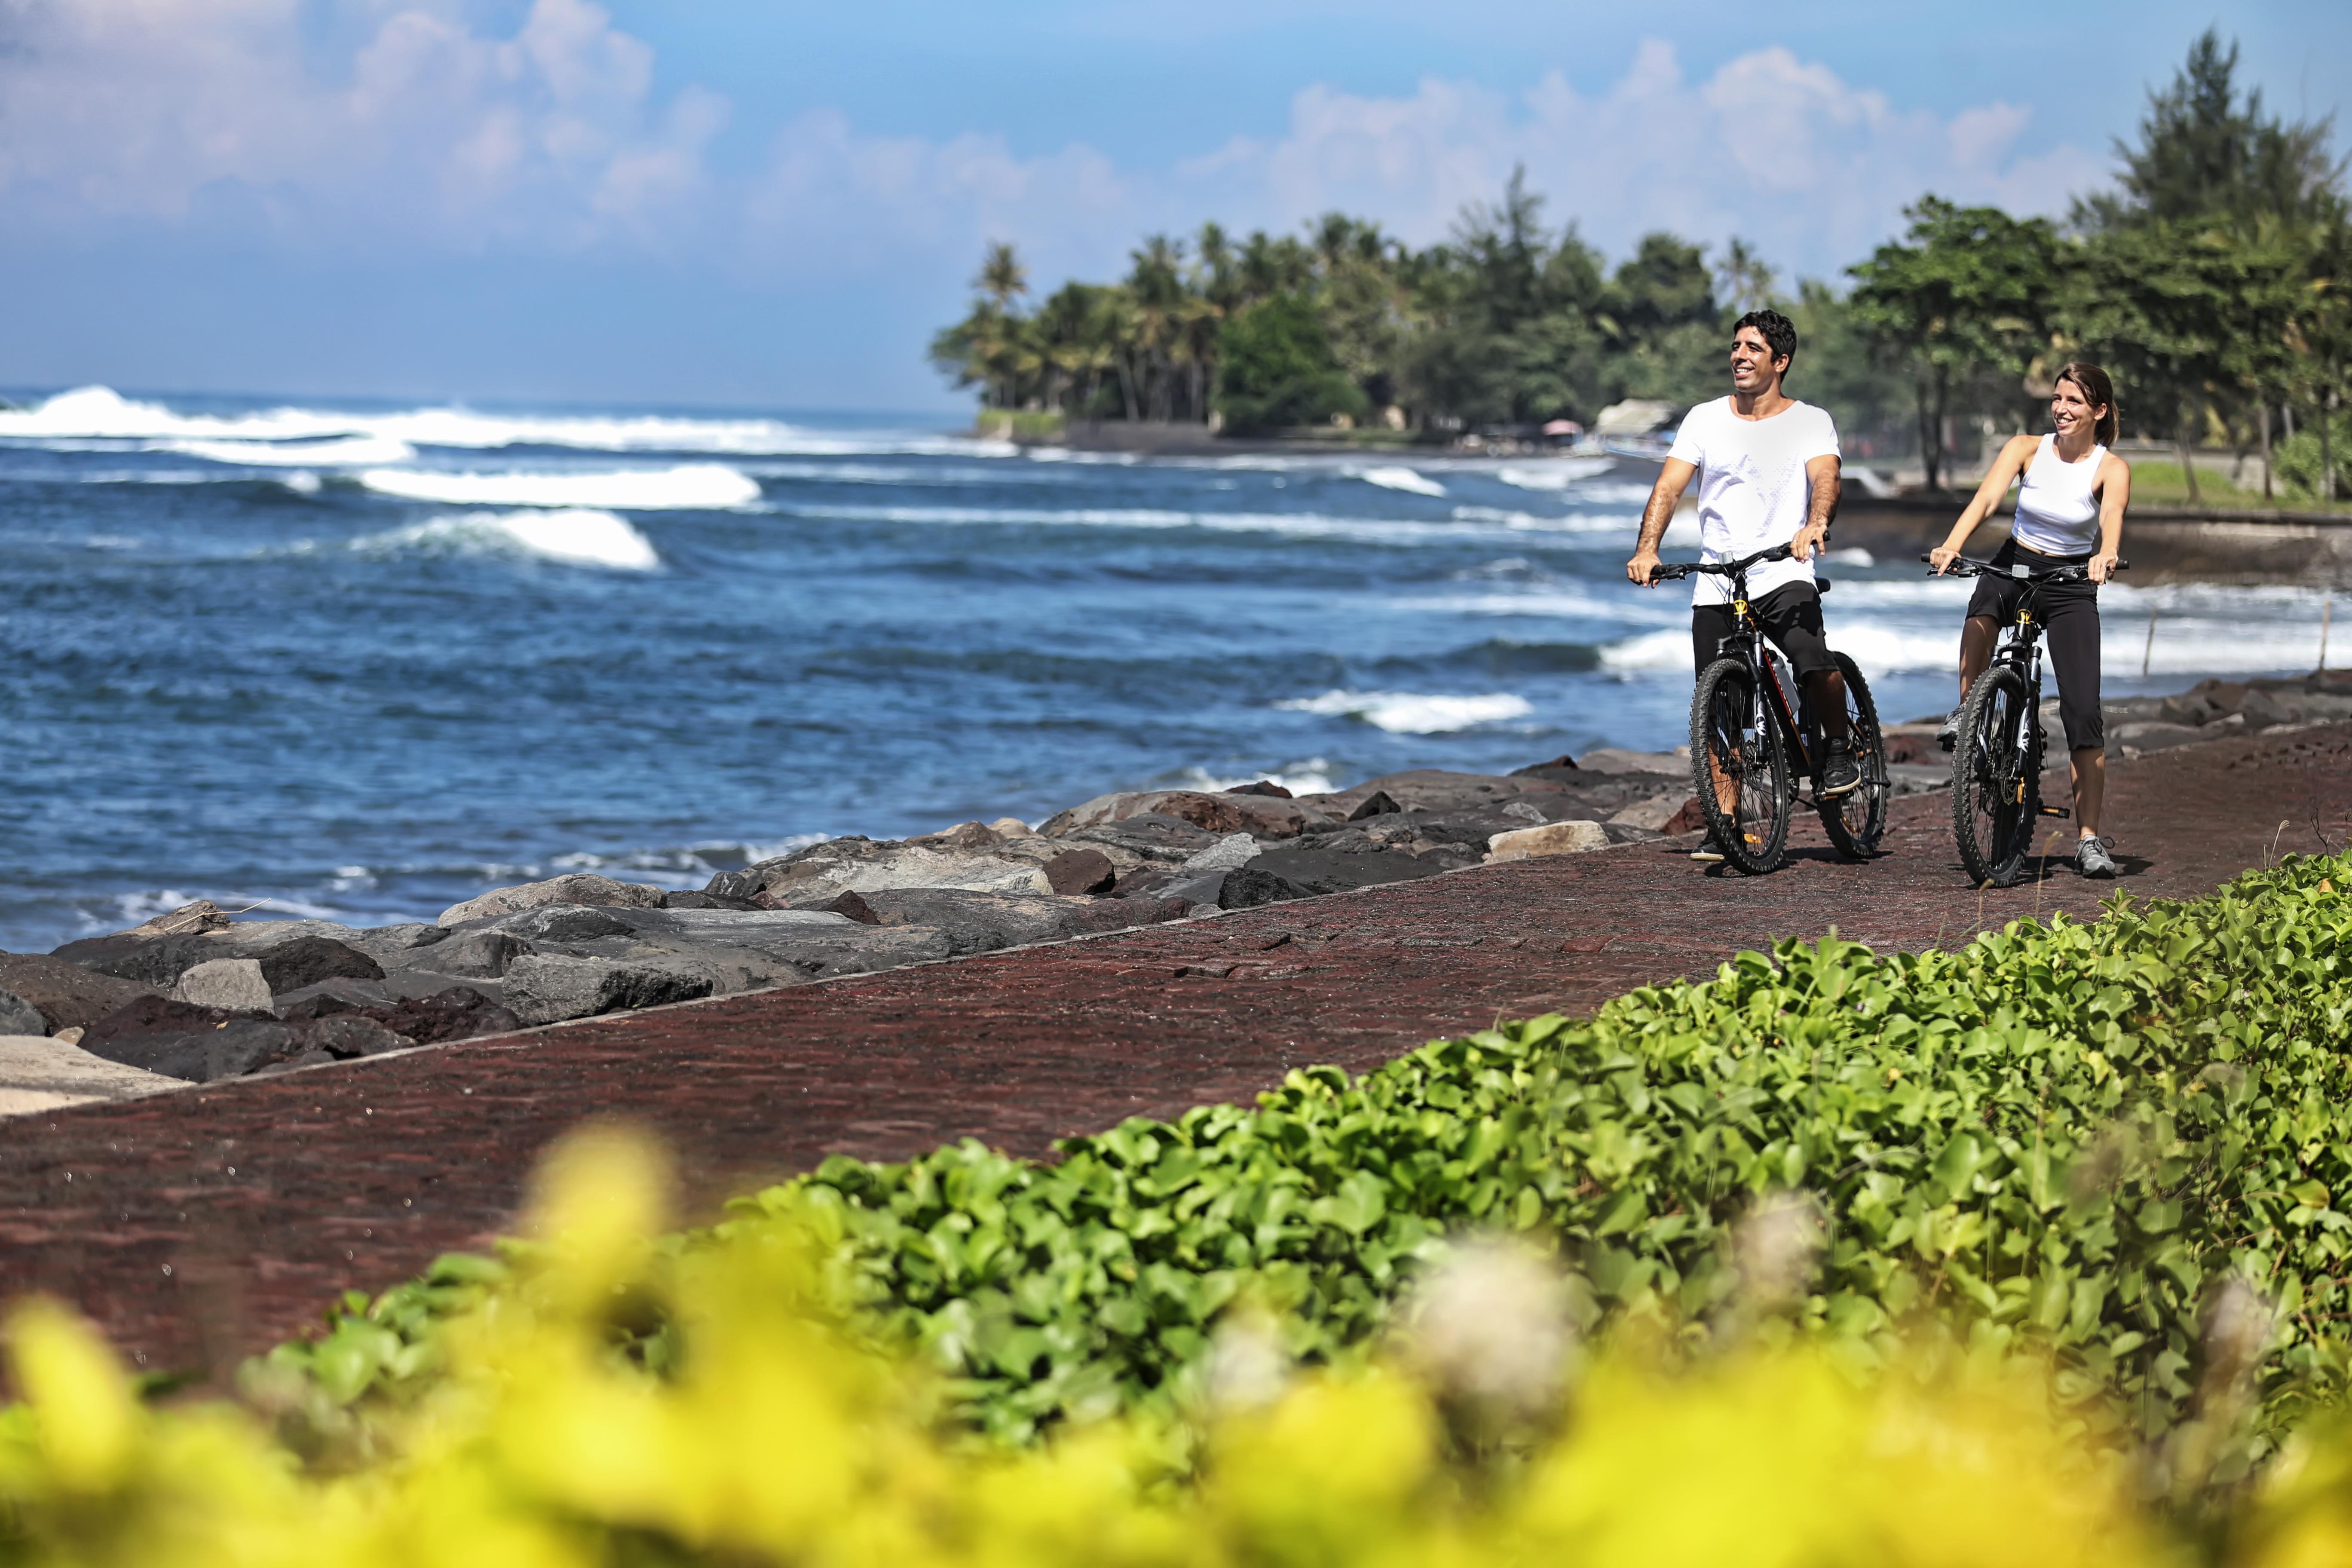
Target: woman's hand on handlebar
{"points": [[2104, 566], [1941, 558], [1644, 568]]}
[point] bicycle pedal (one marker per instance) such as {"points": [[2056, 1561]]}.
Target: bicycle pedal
{"points": [[2055, 811]]}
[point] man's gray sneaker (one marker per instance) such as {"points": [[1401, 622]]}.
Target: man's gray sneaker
{"points": [[1947, 734], [2093, 857], [1707, 854]]}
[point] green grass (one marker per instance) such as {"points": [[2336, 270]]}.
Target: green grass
{"points": [[2159, 483]]}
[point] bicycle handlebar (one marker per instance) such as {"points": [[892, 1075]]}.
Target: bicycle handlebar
{"points": [[1720, 568], [1964, 567]]}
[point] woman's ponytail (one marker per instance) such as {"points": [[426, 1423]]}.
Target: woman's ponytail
{"points": [[2098, 391]]}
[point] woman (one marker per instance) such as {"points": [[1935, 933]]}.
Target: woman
{"points": [[2071, 496]]}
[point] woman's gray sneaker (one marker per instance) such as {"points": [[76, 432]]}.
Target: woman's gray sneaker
{"points": [[1947, 735], [2093, 857]]}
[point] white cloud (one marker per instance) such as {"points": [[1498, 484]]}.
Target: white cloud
{"points": [[140, 109], [435, 136]]}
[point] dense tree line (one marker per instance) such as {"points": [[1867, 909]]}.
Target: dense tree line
{"points": [[2213, 281]]}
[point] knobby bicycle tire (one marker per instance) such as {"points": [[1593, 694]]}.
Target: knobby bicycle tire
{"points": [[1857, 820], [1729, 731], [1997, 777]]}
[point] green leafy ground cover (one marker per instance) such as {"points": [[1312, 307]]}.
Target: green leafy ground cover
{"points": [[2063, 1136]]}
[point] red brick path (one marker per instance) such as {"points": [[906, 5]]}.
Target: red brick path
{"points": [[200, 1226]]}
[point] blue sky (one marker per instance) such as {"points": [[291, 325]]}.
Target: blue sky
{"points": [[729, 203]]}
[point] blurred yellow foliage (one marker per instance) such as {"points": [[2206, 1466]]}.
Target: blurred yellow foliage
{"points": [[771, 1438]]}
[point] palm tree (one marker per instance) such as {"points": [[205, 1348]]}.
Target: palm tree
{"points": [[1003, 279]]}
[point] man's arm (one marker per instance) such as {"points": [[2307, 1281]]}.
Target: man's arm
{"points": [[1822, 474], [1665, 496]]}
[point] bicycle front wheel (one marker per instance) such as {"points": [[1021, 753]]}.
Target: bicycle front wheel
{"points": [[1739, 769], [1856, 820], [1997, 777]]}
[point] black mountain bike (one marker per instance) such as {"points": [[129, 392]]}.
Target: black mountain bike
{"points": [[1749, 743], [1996, 760]]}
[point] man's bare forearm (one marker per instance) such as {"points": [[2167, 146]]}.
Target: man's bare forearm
{"points": [[1657, 516], [1823, 507]]}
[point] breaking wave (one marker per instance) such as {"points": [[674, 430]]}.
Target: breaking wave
{"points": [[692, 486], [1415, 713], [574, 537]]}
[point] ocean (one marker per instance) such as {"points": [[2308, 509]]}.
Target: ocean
{"points": [[358, 662]]}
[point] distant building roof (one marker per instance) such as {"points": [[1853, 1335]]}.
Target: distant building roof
{"points": [[1634, 417]]}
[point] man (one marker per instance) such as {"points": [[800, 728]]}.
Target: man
{"points": [[1767, 475]]}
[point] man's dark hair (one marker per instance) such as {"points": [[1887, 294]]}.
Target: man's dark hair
{"points": [[1779, 332]]}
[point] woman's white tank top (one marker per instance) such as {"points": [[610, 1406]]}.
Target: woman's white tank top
{"points": [[2056, 513]]}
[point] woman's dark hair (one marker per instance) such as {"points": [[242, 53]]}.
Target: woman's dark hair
{"points": [[2098, 391], [1779, 332]]}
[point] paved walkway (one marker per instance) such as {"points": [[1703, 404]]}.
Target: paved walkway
{"points": [[199, 1227]]}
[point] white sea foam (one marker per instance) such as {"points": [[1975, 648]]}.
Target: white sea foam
{"points": [[1413, 712], [577, 537], [1554, 474], [695, 486], [336, 452], [1400, 479], [90, 412]]}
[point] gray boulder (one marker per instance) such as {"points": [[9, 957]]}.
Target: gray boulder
{"points": [[69, 995], [1148, 836], [984, 922], [18, 1016], [233, 983], [184, 1040], [825, 872], [1229, 853], [578, 887], [482, 954], [540, 989], [1265, 816], [1280, 875]]}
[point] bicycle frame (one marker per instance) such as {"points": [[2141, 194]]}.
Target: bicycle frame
{"points": [[1746, 644]]}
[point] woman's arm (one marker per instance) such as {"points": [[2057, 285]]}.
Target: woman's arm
{"points": [[2014, 456], [2114, 494]]}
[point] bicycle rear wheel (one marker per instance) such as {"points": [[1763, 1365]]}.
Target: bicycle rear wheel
{"points": [[1740, 770], [1857, 820], [1997, 777]]}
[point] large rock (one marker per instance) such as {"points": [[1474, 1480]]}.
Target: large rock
{"points": [[545, 990], [68, 996], [233, 985], [984, 922], [1264, 816], [39, 1074], [1229, 853], [1280, 875], [1078, 871], [1149, 835], [473, 954], [1552, 838], [18, 1016], [578, 887], [153, 963], [1654, 813], [453, 1013], [184, 1040], [306, 960], [823, 872]]}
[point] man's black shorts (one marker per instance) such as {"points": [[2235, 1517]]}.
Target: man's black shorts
{"points": [[1792, 615]]}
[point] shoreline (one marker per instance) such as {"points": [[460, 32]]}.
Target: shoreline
{"points": [[195, 997]]}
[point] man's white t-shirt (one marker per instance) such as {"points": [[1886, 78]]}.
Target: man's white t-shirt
{"points": [[1752, 489]]}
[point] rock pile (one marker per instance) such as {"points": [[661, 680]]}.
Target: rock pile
{"points": [[196, 996]]}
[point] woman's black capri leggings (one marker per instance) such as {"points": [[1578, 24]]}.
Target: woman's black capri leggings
{"points": [[2071, 613]]}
